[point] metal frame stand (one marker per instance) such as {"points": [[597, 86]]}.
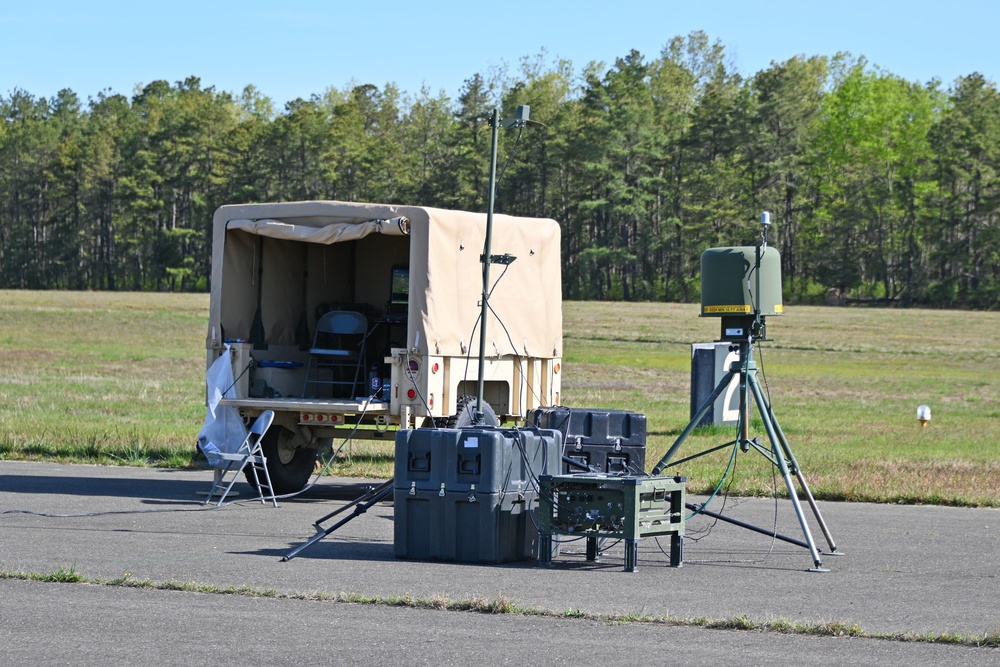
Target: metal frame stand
{"points": [[360, 505], [600, 507], [780, 454]]}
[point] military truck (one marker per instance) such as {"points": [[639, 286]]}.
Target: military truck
{"points": [[413, 276]]}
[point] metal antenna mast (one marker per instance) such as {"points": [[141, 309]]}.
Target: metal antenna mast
{"points": [[520, 120]]}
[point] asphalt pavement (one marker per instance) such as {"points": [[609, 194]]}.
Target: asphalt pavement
{"points": [[904, 569]]}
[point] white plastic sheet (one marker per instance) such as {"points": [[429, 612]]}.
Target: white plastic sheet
{"points": [[224, 429]]}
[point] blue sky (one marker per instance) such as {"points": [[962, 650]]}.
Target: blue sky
{"points": [[297, 48]]}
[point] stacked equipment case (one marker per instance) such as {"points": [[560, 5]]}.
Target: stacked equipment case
{"points": [[605, 441], [469, 494]]}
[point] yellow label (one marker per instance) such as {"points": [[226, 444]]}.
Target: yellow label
{"points": [[727, 309], [779, 308]]}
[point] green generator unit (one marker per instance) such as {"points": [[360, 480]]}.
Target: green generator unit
{"points": [[597, 506], [735, 289]]}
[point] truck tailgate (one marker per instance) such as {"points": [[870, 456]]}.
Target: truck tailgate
{"points": [[310, 405]]}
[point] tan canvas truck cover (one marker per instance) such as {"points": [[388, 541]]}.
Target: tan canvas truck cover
{"points": [[442, 249]]}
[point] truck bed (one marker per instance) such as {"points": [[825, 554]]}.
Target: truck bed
{"points": [[340, 406]]}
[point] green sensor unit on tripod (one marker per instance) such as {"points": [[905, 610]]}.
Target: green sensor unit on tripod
{"points": [[729, 287]]}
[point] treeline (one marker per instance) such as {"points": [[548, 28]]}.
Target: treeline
{"points": [[879, 188]]}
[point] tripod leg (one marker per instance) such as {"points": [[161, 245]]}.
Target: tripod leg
{"points": [[700, 509], [357, 501], [776, 448], [819, 517], [802, 483], [709, 402], [359, 509]]}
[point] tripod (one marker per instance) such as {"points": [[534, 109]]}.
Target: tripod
{"points": [[780, 454]]}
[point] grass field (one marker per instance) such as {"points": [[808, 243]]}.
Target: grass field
{"points": [[117, 378]]}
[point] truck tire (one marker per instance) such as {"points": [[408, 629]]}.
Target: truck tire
{"points": [[465, 413], [289, 465]]}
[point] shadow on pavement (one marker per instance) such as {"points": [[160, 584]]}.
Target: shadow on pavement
{"points": [[330, 549], [169, 488], [172, 489]]}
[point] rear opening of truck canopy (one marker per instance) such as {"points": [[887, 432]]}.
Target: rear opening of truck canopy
{"points": [[277, 267]]}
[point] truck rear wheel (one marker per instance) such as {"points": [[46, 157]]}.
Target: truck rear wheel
{"points": [[465, 413], [289, 463]]}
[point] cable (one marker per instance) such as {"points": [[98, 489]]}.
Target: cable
{"points": [[475, 326], [532, 477], [524, 381], [729, 474], [52, 515], [497, 282], [333, 456], [416, 385], [468, 350], [774, 527], [242, 373], [767, 388], [708, 530], [329, 462], [510, 156], [608, 547]]}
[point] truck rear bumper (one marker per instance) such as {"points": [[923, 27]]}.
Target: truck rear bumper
{"points": [[310, 405]]}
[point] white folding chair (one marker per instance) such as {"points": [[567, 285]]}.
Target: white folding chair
{"points": [[249, 453]]}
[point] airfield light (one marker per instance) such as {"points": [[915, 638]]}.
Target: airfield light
{"points": [[924, 415]]}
